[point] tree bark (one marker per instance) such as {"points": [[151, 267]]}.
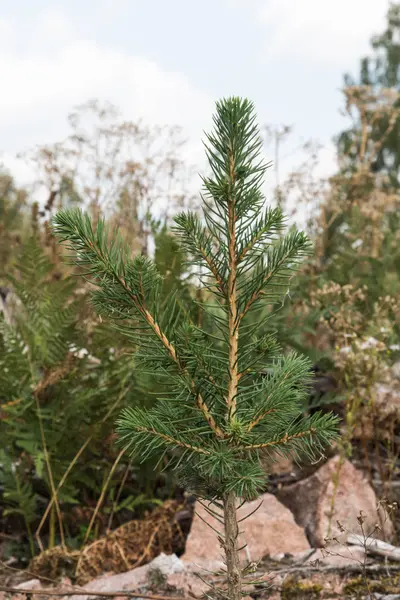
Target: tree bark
{"points": [[231, 547]]}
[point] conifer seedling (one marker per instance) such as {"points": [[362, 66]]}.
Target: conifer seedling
{"points": [[230, 393]]}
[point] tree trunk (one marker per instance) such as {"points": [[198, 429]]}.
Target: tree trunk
{"points": [[231, 547]]}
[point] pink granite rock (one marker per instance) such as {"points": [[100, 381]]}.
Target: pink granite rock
{"points": [[310, 501], [269, 530]]}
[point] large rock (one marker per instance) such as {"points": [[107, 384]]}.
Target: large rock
{"points": [[310, 501], [31, 585], [130, 580], [269, 530], [182, 576]]}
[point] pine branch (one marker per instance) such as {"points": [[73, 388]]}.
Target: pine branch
{"points": [[263, 231], [285, 439], [279, 263], [76, 228], [199, 244], [171, 441]]}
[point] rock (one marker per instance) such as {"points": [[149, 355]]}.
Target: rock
{"points": [[195, 580], [137, 578], [270, 530], [204, 564], [32, 584], [167, 564], [188, 583], [180, 575], [310, 502], [130, 580], [396, 370]]}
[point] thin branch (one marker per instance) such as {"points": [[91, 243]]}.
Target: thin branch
{"points": [[357, 568], [251, 513], [219, 534], [44, 592], [260, 418], [283, 440], [172, 441], [214, 270]]}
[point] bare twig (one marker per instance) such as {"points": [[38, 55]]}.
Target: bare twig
{"points": [[47, 592]]}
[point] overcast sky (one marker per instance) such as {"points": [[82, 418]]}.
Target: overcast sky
{"points": [[167, 61]]}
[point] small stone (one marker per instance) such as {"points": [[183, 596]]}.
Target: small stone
{"points": [[167, 564], [32, 584]]}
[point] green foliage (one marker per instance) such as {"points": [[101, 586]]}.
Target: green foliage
{"points": [[12, 204], [62, 384], [219, 408], [381, 70]]}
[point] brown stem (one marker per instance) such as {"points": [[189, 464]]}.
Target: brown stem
{"points": [[101, 498], [74, 461], [49, 471], [173, 441], [232, 307], [81, 592], [231, 547]]}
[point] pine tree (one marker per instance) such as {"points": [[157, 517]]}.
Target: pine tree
{"points": [[229, 393]]}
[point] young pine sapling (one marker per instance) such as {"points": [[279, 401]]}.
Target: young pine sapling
{"points": [[230, 393]]}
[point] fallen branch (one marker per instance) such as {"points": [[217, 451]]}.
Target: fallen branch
{"points": [[375, 547], [47, 592], [302, 569], [356, 568]]}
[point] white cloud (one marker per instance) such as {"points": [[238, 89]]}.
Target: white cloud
{"points": [[324, 32], [43, 86], [20, 170], [53, 25], [83, 69], [51, 64], [7, 29]]}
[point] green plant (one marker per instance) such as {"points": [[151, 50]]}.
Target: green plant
{"points": [[63, 379], [218, 410], [12, 206], [380, 71]]}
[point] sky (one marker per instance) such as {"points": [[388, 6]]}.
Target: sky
{"points": [[168, 61]]}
